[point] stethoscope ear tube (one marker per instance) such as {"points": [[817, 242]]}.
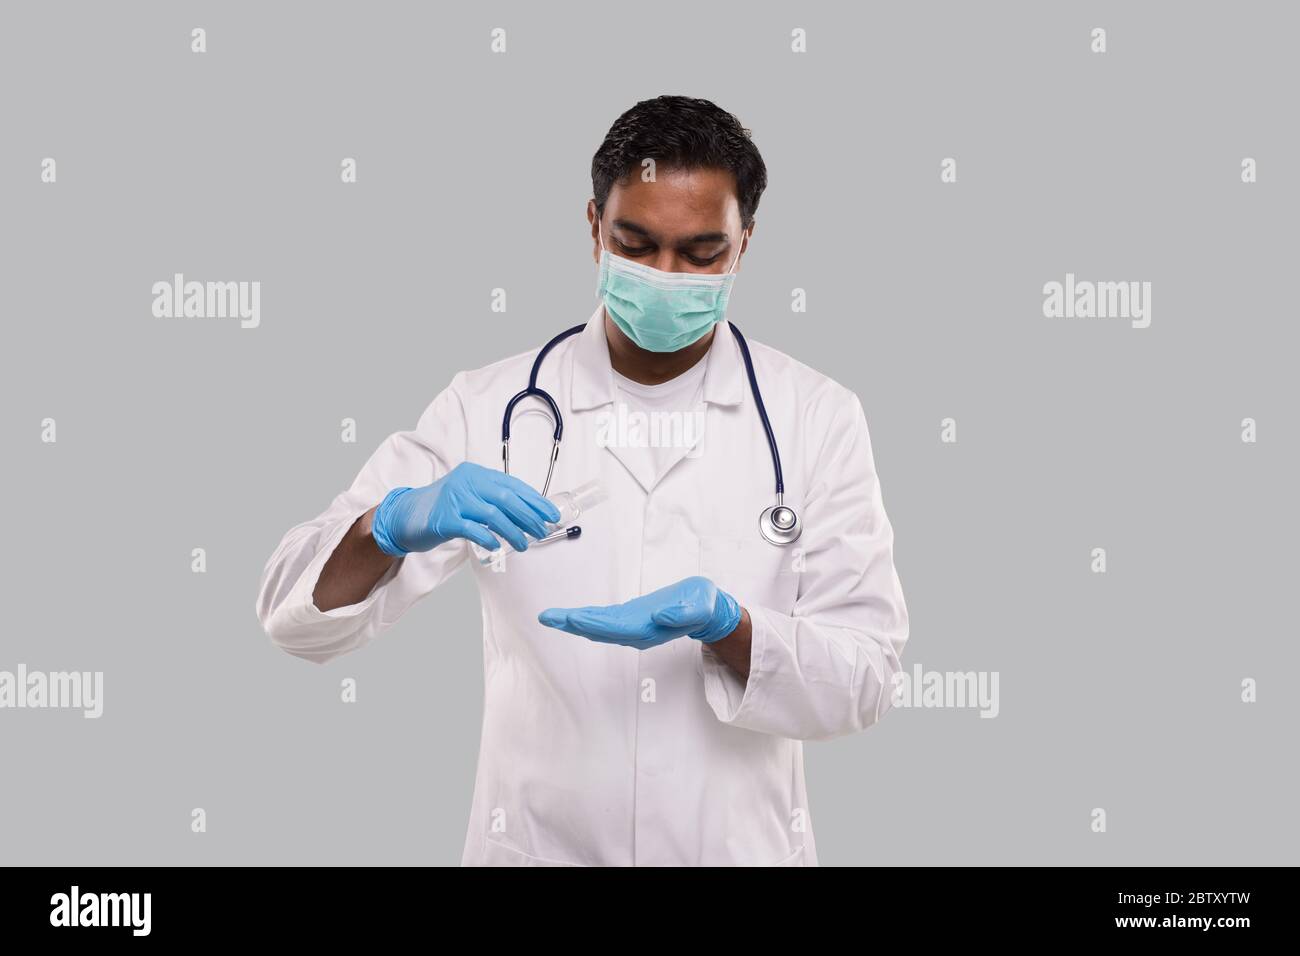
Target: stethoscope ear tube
{"points": [[556, 434], [539, 393]]}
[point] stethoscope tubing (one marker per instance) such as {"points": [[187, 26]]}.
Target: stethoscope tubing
{"points": [[558, 432]]}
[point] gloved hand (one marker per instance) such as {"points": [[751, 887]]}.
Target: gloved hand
{"points": [[459, 505], [693, 607]]}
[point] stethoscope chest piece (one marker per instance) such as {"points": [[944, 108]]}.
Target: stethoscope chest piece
{"points": [[779, 524]]}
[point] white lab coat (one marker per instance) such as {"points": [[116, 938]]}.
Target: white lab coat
{"points": [[595, 754]]}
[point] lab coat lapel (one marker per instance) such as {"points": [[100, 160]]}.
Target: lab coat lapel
{"points": [[724, 385], [592, 387]]}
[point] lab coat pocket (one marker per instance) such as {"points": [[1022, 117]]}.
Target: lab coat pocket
{"points": [[755, 573], [499, 854], [794, 859]]}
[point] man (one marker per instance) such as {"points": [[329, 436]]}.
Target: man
{"points": [[648, 683]]}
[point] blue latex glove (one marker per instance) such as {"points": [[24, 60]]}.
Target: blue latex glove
{"points": [[465, 503], [693, 607]]}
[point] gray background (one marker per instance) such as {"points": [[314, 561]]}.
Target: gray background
{"points": [[1118, 691]]}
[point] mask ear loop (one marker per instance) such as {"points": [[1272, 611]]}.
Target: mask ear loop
{"points": [[740, 245]]}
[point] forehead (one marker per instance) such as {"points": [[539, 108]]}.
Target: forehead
{"points": [[678, 202]]}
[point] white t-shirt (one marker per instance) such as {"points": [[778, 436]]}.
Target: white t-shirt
{"points": [[658, 424]]}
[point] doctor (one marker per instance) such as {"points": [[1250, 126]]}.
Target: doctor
{"points": [[647, 684]]}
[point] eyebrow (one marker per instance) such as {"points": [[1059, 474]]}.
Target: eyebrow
{"points": [[628, 226]]}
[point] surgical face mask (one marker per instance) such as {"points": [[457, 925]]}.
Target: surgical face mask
{"points": [[662, 311]]}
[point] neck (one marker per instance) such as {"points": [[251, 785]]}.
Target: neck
{"points": [[651, 368]]}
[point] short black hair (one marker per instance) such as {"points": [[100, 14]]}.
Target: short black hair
{"points": [[680, 132]]}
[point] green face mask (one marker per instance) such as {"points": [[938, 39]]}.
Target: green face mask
{"points": [[662, 311]]}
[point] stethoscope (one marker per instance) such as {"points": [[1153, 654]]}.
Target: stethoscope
{"points": [[778, 524]]}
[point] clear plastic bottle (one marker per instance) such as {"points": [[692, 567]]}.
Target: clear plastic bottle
{"points": [[571, 505]]}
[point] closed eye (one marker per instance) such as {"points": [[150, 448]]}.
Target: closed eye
{"points": [[634, 250]]}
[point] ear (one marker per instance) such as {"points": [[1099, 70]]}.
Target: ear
{"points": [[593, 219]]}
